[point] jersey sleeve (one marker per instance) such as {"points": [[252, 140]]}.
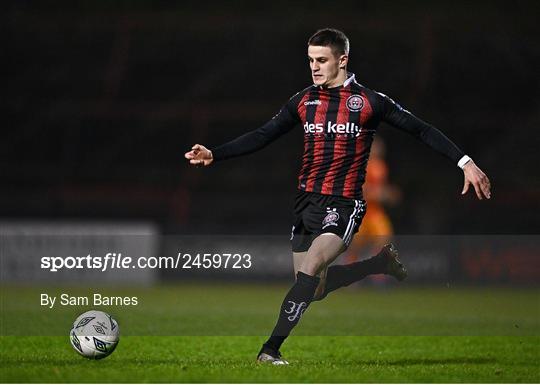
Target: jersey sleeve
{"points": [[259, 138], [394, 114]]}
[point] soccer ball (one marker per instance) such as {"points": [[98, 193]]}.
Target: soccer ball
{"points": [[94, 334]]}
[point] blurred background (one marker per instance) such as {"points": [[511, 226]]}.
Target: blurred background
{"points": [[102, 99]]}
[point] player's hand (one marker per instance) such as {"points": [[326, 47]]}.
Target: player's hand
{"points": [[475, 177], [199, 156]]}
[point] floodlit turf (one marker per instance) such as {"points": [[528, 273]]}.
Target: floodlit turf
{"points": [[403, 334], [251, 310], [313, 359]]}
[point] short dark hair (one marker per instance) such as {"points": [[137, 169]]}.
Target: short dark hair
{"points": [[333, 38]]}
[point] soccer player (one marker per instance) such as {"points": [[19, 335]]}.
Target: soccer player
{"points": [[339, 117]]}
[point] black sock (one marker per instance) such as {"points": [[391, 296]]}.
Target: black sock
{"points": [[343, 275], [295, 303]]}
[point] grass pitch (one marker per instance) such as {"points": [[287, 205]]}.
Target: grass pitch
{"points": [[313, 359], [404, 335]]}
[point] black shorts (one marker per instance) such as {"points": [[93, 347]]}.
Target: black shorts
{"points": [[316, 214]]}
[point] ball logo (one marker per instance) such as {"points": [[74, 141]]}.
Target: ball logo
{"points": [[84, 321], [355, 103], [75, 341], [100, 345], [113, 326]]}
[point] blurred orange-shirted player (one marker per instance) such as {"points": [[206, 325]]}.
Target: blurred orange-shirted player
{"points": [[376, 229]]}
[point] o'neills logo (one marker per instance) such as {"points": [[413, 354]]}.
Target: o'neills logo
{"points": [[316, 102], [332, 128]]}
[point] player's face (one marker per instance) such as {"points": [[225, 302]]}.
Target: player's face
{"points": [[325, 66]]}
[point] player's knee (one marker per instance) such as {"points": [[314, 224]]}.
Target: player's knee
{"points": [[313, 265]]}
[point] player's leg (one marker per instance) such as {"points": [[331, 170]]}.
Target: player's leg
{"points": [[334, 216], [385, 262], [343, 218], [323, 250], [337, 276], [336, 221], [298, 259]]}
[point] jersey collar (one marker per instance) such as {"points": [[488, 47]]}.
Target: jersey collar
{"points": [[349, 80]]}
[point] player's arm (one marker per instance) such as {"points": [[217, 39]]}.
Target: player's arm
{"points": [[250, 142], [398, 117]]}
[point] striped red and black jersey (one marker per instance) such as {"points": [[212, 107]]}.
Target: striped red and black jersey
{"points": [[338, 125]]}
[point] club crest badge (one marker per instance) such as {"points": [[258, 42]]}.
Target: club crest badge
{"points": [[355, 103], [331, 218]]}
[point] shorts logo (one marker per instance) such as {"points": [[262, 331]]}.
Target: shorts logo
{"points": [[331, 218], [355, 103]]}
